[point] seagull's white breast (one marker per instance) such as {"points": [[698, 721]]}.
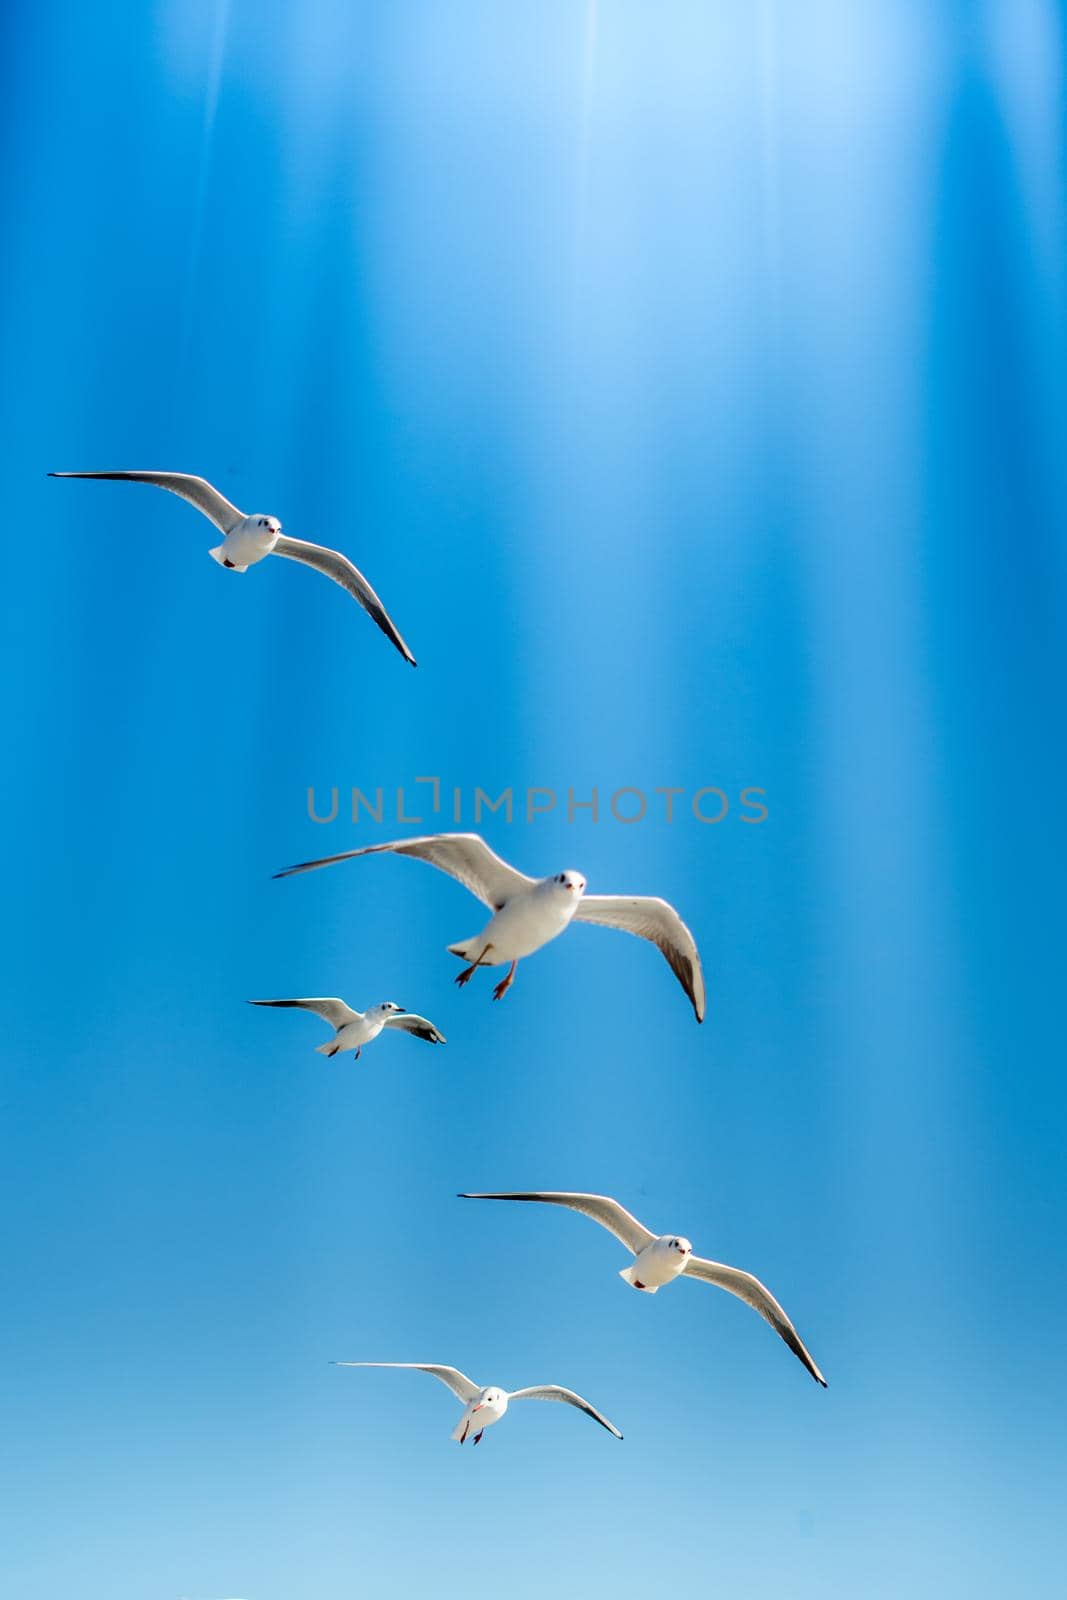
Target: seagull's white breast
{"points": [[658, 1264], [353, 1034], [530, 920], [252, 539]]}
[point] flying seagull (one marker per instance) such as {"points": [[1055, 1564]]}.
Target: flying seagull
{"points": [[483, 1407], [528, 912], [354, 1029], [660, 1260], [249, 538]]}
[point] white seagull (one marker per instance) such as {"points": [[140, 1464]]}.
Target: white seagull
{"points": [[354, 1029], [249, 538], [661, 1260], [528, 912], [483, 1407]]}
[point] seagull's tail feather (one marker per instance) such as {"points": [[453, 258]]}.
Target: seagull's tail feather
{"points": [[630, 1275], [218, 555], [466, 948]]}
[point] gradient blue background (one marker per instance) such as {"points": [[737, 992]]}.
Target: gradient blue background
{"points": [[689, 379]]}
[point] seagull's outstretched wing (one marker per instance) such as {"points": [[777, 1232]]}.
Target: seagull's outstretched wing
{"points": [[419, 1026], [197, 491], [331, 1010], [754, 1294], [338, 567], [654, 919], [552, 1391], [464, 856], [633, 1234], [461, 1386]]}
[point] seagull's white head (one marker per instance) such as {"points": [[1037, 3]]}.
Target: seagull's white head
{"points": [[491, 1399], [680, 1247], [269, 525], [570, 882], [389, 1008]]}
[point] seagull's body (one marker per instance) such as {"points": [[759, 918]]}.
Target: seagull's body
{"points": [[250, 537], [525, 923], [484, 1406], [354, 1029], [529, 912], [660, 1259]]}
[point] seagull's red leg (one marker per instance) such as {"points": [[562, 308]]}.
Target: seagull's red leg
{"points": [[478, 1437], [505, 983], [468, 972]]}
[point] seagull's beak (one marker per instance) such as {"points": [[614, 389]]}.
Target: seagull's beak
{"points": [[479, 1407]]}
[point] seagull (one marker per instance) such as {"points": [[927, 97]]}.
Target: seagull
{"points": [[662, 1259], [488, 1405], [528, 912], [249, 538], [354, 1029]]}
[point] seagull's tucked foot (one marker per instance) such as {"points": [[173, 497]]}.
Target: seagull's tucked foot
{"points": [[468, 972], [359, 1048], [478, 1438], [638, 1285], [230, 564], [505, 983]]}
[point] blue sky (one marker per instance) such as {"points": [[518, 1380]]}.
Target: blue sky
{"points": [[689, 380]]}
